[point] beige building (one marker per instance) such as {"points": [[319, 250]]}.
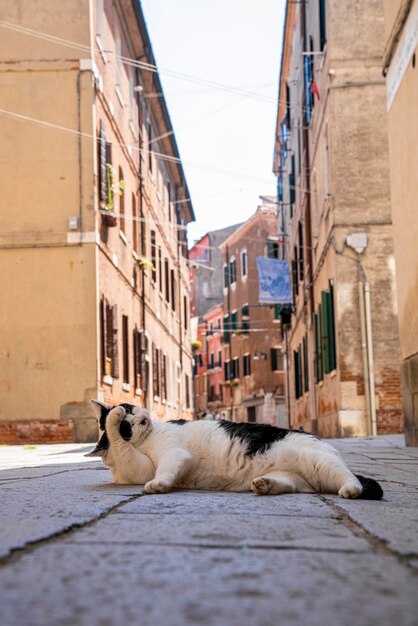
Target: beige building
{"points": [[332, 163], [400, 66], [94, 208]]}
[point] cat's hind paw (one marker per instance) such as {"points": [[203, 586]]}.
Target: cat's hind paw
{"points": [[261, 486], [351, 489], [157, 486]]}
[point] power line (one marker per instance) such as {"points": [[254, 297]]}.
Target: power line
{"points": [[134, 63]]}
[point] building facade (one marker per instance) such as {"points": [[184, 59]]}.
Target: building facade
{"points": [[252, 350], [400, 66], [332, 163], [94, 212]]}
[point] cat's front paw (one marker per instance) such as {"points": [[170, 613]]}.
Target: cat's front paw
{"points": [[157, 486], [115, 416], [350, 490]]}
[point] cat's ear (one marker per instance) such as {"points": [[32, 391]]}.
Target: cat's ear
{"points": [[101, 448], [144, 418], [101, 412]]}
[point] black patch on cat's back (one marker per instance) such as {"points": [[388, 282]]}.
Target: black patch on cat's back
{"points": [[178, 422], [258, 437]]}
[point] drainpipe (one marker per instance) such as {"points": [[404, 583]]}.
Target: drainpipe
{"points": [[370, 359], [363, 331]]}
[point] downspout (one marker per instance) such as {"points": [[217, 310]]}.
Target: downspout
{"points": [[363, 331], [309, 247], [370, 358], [80, 161], [229, 332]]}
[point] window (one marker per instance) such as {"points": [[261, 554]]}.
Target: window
{"points": [[251, 414], [322, 24], [219, 358], [234, 321], [155, 370], [227, 370], [167, 280], [122, 224], [135, 229], [140, 363], [173, 289], [301, 260], [118, 62], [187, 386], [292, 183], [153, 257], [109, 339], [211, 360], [169, 201], [232, 271], [149, 147], [325, 346], [305, 364], [225, 337], [163, 376], [244, 263], [226, 277], [246, 362], [235, 368], [276, 358], [125, 349], [245, 316], [185, 313], [308, 72], [297, 374], [272, 248]]}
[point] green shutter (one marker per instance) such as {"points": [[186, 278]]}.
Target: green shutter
{"points": [[325, 332], [331, 334]]}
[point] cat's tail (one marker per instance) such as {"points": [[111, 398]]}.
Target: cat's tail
{"points": [[371, 488]]}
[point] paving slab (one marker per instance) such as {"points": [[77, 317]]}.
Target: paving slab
{"points": [[76, 549], [176, 586], [243, 530]]}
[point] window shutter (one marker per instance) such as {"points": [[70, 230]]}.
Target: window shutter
{"points": [[154, 370], [115, 345], [143, 370], [331, 329], [102, 165], [102, 338], [108, 339], [324, 331]]}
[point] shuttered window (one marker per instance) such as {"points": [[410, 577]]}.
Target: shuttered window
{"points": [[297, 374], [167, 280], [163, 376], [246, 362], [153, 256], [173, 289], [125, 346], [155, 371], [305, 365], [102, 164], [325, 343], [225, 337], [245, 316]]}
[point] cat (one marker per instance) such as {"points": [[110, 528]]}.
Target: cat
{"points": [[221, 455]]}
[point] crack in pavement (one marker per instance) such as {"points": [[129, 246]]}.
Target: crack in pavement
{"points": [[18, 552], [378, 545]]}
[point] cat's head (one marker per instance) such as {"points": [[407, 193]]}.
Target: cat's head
{"points": [[135, 427]]}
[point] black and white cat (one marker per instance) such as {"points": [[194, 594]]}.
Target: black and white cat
{"points": [[221, 455]]}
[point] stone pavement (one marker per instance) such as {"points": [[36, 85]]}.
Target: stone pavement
{"points": [[77, 550]]}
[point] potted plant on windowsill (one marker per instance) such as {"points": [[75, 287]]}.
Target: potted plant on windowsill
{"points": [[113, 189]]}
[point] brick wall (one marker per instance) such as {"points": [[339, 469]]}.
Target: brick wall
{"points": [[36, 431]]}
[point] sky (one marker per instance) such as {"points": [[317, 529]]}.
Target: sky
{"points": [[225, 135]]}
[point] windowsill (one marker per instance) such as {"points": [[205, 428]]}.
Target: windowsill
{"points": [[332, 374], [320, 384], [156, 398], [138, 391], [126, 387], [108, 380]]}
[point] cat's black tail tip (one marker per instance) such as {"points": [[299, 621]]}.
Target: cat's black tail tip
{"points": [[371, 488]]}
